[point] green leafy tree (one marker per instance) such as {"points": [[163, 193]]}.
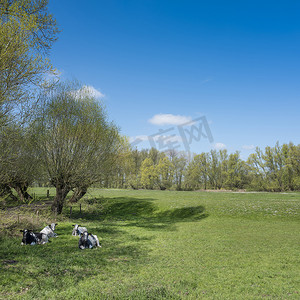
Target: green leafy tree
{"points": [[120, 167], [135, 158], [237, 173], [27, 32], [272, 169], [217, 172], [164, 170], [20, 166], [75, 142], [149, 176], [198, 172], [258, 171], [155, 155], [179, 161]]}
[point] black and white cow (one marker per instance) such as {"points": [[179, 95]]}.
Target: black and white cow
{"points": [[88, 240], [78, 230], [32, 238], [49, 230]]}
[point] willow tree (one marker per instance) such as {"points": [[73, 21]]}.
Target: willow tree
{"points": [[74, 140], [20, 167], [27, 32]]}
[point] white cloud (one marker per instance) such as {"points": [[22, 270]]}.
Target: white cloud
{"points": [[248, 147], [92, 91], [88, 90], [220, 146], [169, 119]]}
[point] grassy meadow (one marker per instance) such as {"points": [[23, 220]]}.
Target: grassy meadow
{"points": [[157, 245]]}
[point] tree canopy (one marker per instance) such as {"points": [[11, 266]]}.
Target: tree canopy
{"points": [[27, 32], [75, 141]]}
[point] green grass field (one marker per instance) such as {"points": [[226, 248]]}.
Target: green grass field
{"points": [[162, 245]]}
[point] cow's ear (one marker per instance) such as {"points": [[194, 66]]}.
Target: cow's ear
{"points": [[21, 230], [56, 224], [73, 225]]}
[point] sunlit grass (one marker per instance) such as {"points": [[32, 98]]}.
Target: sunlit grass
{"points": [[164, 245]]}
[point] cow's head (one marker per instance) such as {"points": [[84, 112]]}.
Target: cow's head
{"points": [[84, 240], [85, 236], [28, 237], [76, 226], [52, 226]]}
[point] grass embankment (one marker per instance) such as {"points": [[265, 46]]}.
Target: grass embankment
{"points": [[164, 245]]}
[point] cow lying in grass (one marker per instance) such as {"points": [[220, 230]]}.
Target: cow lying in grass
{"points": [[32, 238], [88, 240], [78, 230], [49, 230]]}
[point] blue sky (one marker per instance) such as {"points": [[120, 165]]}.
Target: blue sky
{"points": [[161, 63]]}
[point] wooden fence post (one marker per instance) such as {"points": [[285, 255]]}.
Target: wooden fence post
{"points": [[70, 212], [48, 193]]}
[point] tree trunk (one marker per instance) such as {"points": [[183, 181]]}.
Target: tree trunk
{"points": [[58, 202], [5, 191], [78, 194], [21, 189]]}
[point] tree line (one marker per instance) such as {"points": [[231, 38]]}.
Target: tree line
{"points": [[272, 169]]}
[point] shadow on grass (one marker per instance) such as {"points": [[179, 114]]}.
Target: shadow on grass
{"points": [[51, 265], [136, 212]]}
